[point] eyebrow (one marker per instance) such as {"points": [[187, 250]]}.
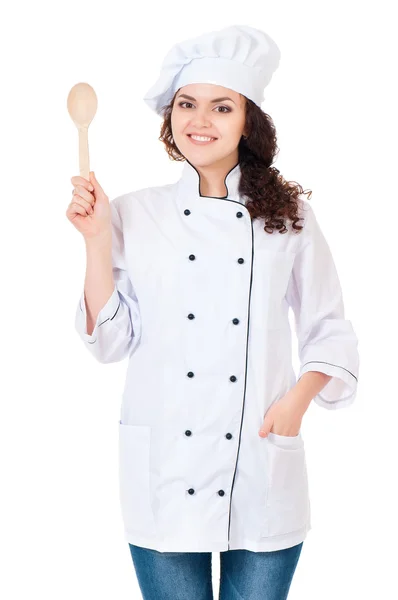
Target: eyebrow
{"points": [[215, 99]]}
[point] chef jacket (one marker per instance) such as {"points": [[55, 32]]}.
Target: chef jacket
{"points": [[200, 308]]}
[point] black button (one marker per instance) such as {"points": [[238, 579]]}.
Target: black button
{"points": [[190, 374], [191, 316], [233, 378], [221, 492], [228, 436], [239, 214], [191, 257], [191, 491], [188, 432], [235, 321], [240, 261], [187, 211]]}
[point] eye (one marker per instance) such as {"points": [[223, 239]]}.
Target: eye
{"points": [[227, 109]]}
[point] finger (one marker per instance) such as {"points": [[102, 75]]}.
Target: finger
{"points": [[75, 209], [81, 191], [86, 206], [84, 203], [78, 180]]}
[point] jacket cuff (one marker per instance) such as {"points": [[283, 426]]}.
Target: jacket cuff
{"points": [[106, 314], [340, 391]]}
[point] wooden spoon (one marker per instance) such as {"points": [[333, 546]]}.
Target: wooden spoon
{"points": [[82, 105]]}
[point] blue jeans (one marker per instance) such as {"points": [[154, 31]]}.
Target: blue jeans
{"points": [[244, 575]]}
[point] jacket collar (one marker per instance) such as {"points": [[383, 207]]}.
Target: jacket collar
{"points": [[188, 184]]}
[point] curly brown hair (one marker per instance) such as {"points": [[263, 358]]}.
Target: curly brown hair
{"points": [[269, 196]]}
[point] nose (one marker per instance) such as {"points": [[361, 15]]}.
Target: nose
{"points": [[201, 119]]}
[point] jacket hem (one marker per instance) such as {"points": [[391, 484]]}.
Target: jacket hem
{"points": [[268, 544]]}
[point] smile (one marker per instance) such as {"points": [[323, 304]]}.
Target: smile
{"points": [[201, 140]]}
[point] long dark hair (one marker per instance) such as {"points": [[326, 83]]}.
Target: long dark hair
{"points": [[269, 196]]}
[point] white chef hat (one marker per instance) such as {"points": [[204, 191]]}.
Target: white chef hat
{"points": [[238, 57]]}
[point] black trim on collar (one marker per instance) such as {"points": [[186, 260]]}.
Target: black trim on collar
{"points": [[225, 179]]}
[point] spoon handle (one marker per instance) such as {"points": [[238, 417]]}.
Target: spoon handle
{"points": [[83, 152]]}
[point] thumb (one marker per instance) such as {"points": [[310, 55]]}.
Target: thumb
{"points": [[93, 179], [99, 192], [265, 427]]}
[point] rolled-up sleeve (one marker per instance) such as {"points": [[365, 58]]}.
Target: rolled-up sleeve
{"points": [[326, 339], [117, 330]]}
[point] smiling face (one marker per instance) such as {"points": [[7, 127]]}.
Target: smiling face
{"points": [[211, 111]]}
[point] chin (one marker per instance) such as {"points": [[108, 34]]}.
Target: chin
{"points": [[201, 156]]}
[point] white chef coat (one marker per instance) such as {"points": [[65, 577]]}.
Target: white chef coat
{"points": [[200, 307]]}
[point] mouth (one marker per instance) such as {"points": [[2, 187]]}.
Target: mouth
{"points": [[201, 140]]}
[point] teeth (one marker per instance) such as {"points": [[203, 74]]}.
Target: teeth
{"points": [[201, 138]]}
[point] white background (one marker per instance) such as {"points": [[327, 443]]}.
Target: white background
{"points": [[333, 101]]}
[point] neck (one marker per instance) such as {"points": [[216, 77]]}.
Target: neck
{"points": [[212, 177], [191, 184]]}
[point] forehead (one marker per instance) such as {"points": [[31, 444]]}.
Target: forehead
{"points": [[208, 92]]}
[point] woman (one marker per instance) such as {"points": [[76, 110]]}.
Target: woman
{"points": [[193, 282]]}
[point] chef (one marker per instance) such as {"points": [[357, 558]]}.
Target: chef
{"points": [[211, 452]]}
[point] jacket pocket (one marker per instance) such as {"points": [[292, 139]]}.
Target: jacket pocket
{"points": [[134, 478], [287, 506]]}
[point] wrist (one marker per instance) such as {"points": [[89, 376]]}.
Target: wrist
{"points": [[308, 386], [99, 240]]}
